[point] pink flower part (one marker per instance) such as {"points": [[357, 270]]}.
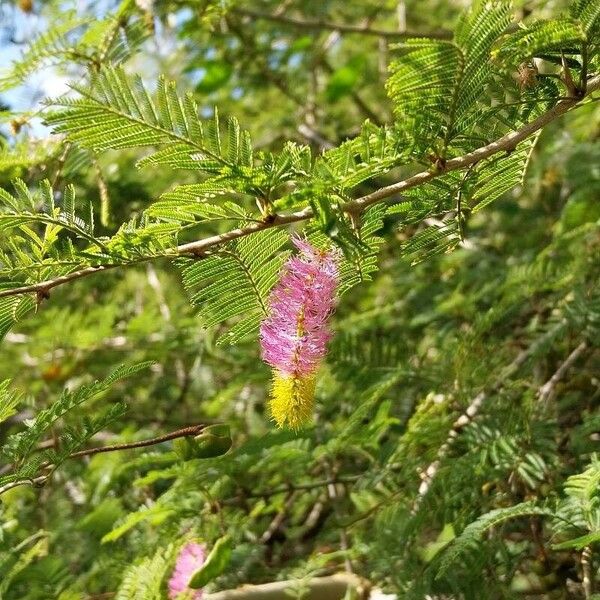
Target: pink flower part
{"points": [[190, 559], [295, 334]]}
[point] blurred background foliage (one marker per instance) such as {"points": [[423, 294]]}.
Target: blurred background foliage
{"points": [[412, 349]]}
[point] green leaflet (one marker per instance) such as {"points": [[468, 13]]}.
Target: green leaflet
{"points": [[471, 535], [113, 39], [19, 445], [216, 562], [579, 543], [8, 400], [435, 84], [235, 282], [144, 579], [126, 116], [458, 195], [12, 310], [541, 38]]}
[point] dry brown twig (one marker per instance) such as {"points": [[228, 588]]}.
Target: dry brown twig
{"points": [[506, 143], [192, 430], [546, 391], [472, 410], [316, 24]]}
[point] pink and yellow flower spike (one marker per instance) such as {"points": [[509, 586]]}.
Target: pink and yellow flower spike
{"points": [[294, 335]]}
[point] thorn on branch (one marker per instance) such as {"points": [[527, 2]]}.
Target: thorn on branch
{"points": [[269, 218], [574, 91], [198, 253], [41, 295], [439, 162]]}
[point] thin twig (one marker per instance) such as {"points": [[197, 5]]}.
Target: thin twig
{"points": [[587, 578], [275, 524], [36, 482], [343, 27], [179, 433], [269, 74], [281, 83], [319, 57], [546, 391], [472, 411], [506, 143], [295, 487], [366, 110]]}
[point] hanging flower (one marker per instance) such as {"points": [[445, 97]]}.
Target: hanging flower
{"points": [[190, 559], [295, 334]]}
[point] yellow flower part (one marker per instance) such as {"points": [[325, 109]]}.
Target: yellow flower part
{"points": [[292, 399]]}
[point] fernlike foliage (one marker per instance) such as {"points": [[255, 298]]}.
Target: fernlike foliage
{"points": [[143, 581], [435, 85], [73, 39], [576, 512], [19, 448], [236, 281]]}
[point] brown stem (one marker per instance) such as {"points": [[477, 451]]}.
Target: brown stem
{"points": [[37, 481], [343, 27], [294, 487], [184, 432], [430, 473], [587, 579], [506, 143], [40, 480], [546, 392]]}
